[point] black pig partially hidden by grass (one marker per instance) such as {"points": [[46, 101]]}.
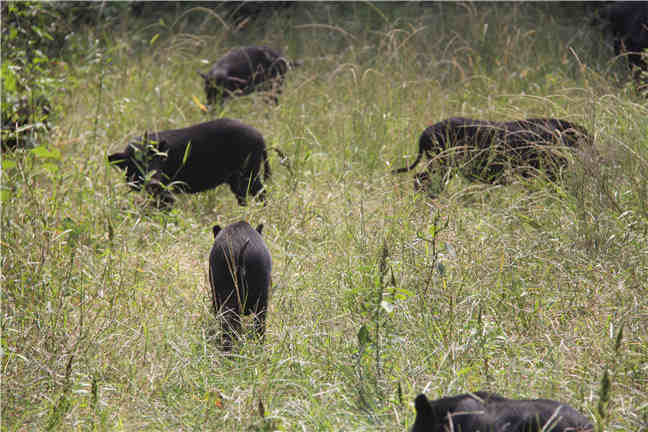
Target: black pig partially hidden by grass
{"points": [[197, 158], [628, 23], [242, 70], [240, 269], [487, 151], [489, 412]]}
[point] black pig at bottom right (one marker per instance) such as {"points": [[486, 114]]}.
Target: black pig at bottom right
{"points": [[489, 412]]}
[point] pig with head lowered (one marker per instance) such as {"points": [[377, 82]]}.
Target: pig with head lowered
{"points": [[243, 70], [489, 412], [240, 269], [490, 151], [197, 158]]}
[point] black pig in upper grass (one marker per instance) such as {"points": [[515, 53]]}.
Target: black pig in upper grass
{"points": [[628, 23], [489, 412], [242, 70], [197, 158], [487, 150], [240, 269]]}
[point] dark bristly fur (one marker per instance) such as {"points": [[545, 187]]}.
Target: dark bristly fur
{"points": [[489, 412], [220, 151], [628, 23], [242, 70], [240, 270], [486, 150]]}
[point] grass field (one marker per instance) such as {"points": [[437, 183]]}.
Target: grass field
{"points": [[532, 289]]}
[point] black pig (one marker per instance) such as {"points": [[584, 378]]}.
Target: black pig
{"points": [[628, 23], [489, 412], [197, 158], [242, 70], [240, 269], [486, 150]]}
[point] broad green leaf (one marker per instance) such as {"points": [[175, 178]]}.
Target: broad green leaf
{"points": [[5, 195], [8, 80], [8, 164], [52, 168], [42, 152]]}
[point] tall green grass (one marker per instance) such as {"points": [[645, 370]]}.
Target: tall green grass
{"points": [[379, 293]]}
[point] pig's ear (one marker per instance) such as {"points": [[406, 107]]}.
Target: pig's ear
{"points": [[216, 229], [422, 405], [259, 228], [120, 160]]}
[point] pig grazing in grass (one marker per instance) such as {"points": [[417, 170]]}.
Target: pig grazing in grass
{"points": [[240, 270], [489, 412], [243, 70], [487, 151], [197, 158]]}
